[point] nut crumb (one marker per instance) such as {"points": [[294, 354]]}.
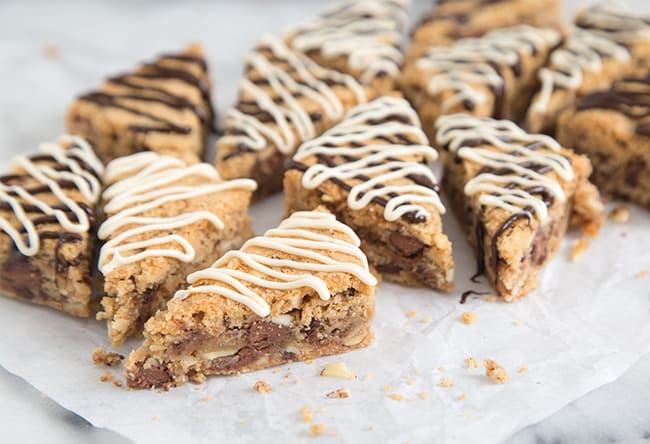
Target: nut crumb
{"points": [[620, 214], [463, 397], [468, 317], [523, 370], [117, 383], [396, 397], [307, 414], [317, 429], [262, 387], [337, 370], [491, 299], [471, 362], [495, 372], [106, 377], [446, 382], [579, 247], [424, 394], [101, 357], [411, 314], [341, 393]]}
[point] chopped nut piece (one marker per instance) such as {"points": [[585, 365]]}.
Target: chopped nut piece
{"points": [[337, 370], [307, 414], [491, 299], [424, 394], [106, 377], [523, 370], [463, 397], [620, 215], [109, 359], [468, 317], [471, 363], [117, 383], [446, 382], [317, 429], [396, 397], [495, 372], [579, 247], [262, 387], [339, 393], [411, 314]]}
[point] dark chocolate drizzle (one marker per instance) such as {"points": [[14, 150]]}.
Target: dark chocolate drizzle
{"points": [[468, 293]]}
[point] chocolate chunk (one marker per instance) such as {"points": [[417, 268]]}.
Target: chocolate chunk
{"points": [[262, 334], [154, 376], [313, 333], [407, 246], [539, 249], [266, 173], [388, 268], [244, 357], [20, 277]]}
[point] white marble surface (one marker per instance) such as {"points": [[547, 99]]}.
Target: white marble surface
{"points": [[99, 38]]}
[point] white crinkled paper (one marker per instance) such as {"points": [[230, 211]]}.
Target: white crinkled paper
{"points": [[584, 326]]}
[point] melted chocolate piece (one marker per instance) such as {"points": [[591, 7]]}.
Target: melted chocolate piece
{"points": [[468, 293], [407, 246]]}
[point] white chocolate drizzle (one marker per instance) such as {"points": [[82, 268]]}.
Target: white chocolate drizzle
{"points": [[289, 74], [512, 180], [582, 52], [76, 164], [611, 22], [143, 182], [377, 166], [297, 236], [474, 62], [367, 32]]}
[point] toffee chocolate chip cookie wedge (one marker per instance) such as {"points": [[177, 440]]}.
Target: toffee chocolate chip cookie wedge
{"points": [[494, 75], [165, 219], [451, 20], [361, 38], [613, 128], [285, 99], [515, 194], [47, 216], [301, 291], [585, 62], [371, 172], [163, 106]]}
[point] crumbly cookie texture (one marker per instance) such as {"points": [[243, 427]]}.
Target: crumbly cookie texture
{"points": [[284, 100], [605, 45], [361, 38], [453, 20], [301, 291], [515, 194], [162, 106], [47, 218], [491, 76], [613, 128], [165, 219], [371, 171]]}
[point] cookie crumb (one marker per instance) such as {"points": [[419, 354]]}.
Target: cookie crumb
{"points": [[410, 382], [317, 429], [463, 397], [424, 395], [441, 369], [207, 398], [425, 320], [446, 382], [491, 299], [155, 418], [117, 383], [620, 214], [307, 414], [396, 397], [262, 387], [495, 372], [387, 388], [471, 362], [101, 357], [337, 370], [107, 376], [52, 52], [341, 393], [298, 381], [198, 378], [523, 370], [468, 317], [411, 314], [518, 323], [309, 361], [642, 274], [579, 247]]}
